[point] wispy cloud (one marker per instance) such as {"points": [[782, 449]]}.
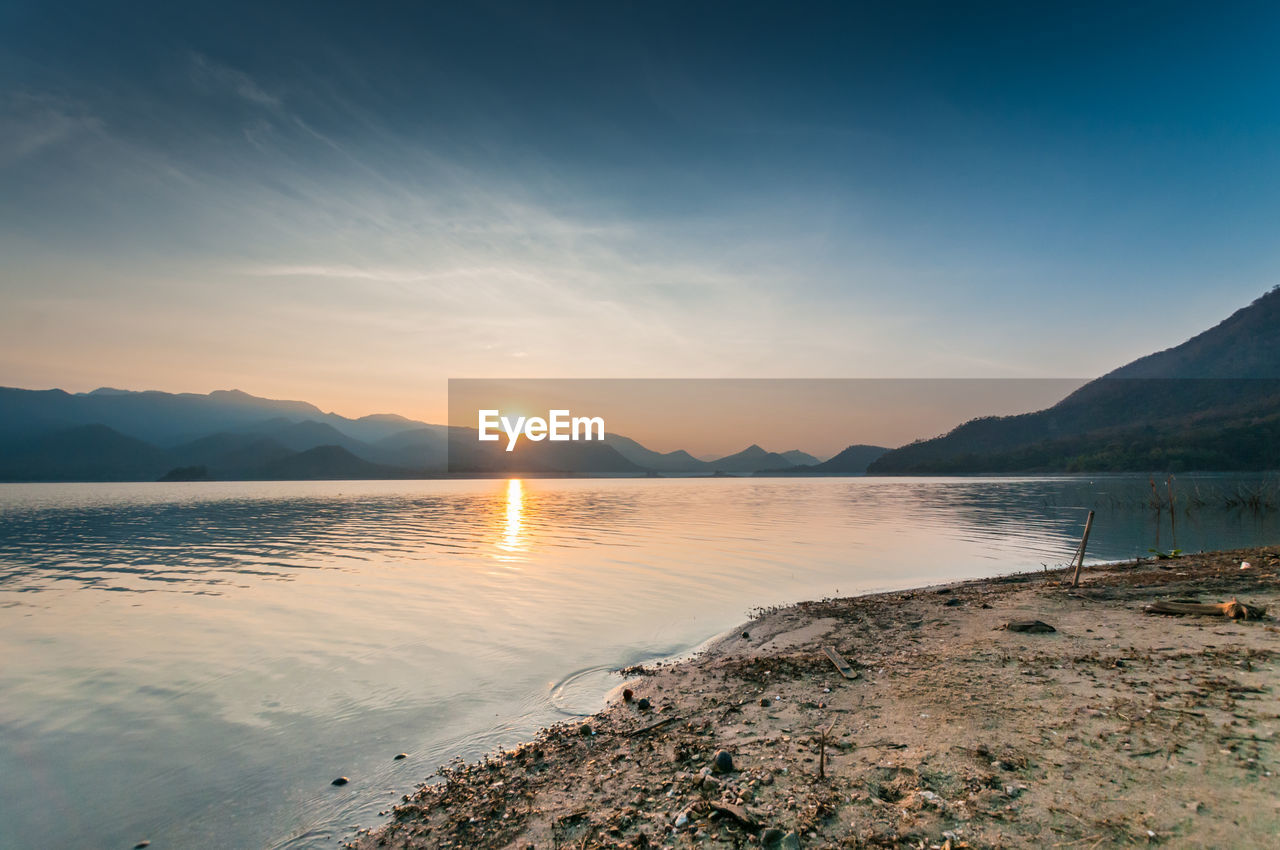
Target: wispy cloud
{"points": [[212, 75], [364, 199], [30, 123], [385, 275]]}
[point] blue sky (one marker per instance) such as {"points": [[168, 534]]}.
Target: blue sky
{"points": [[351, 203]]}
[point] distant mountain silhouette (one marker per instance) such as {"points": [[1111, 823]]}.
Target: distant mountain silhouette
{"points": [[468, 455], [227, 456], [751, 459], [82, 453], [795, 457], [678, 461], [231, 433], [300, 436], [1211, 403], [417, 448], [187, 473], [113, 434], [381, 426], [324, 463], [163, 419], [852, 461], [168, 419]]}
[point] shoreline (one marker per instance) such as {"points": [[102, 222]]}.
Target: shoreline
{"points": [[1117, 727]]}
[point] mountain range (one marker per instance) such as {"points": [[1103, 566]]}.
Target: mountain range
{"points": [[119, 435], [1211, 403]]}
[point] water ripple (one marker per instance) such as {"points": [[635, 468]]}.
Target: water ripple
{"points": [[177, 651]]}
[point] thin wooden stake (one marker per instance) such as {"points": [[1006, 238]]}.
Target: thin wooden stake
{"points": [[822, 750], [1084, 541]]}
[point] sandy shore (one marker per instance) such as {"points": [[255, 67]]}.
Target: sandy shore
{"points": [[1118, 727]]}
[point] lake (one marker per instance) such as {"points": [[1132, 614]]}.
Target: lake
{"points": [[194, 663]]}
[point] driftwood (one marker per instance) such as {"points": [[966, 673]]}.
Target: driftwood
{"points": [[570, 817], [737, 813], [652, 726], [1234, 609], [886, 745], [1033, 626], [840, 664]]}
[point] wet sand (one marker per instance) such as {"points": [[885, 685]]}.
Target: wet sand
{"points": [[1118, 727]]}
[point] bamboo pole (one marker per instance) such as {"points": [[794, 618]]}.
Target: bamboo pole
{"points": [[1084, 541]]}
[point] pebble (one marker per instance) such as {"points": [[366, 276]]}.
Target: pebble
{"points": [[643, 704], [628, 695], [723, 762], [765, 702], [141, 844], [401, 756], [341, 780], [771, 837]]}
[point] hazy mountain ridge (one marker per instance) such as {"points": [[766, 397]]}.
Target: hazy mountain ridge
{"points": [[1210, 403], [1207, 404], [113, 434], [326, 463], [678, 461], [798, 458], [852, 460], [82, 453], [227, 455], [751, 459], [468, 455]]}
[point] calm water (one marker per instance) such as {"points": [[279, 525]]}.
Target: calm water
{"points": [[193, 663]]}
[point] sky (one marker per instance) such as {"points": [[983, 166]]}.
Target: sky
{"points": [[350, 204]]}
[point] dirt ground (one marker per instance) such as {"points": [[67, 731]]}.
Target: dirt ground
{"points": [[1118, 727]]}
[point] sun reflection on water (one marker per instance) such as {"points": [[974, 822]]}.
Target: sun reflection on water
{"points": [[512, 541]]}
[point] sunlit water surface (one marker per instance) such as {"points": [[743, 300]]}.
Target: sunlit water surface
{"points": [[193, 663]]}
